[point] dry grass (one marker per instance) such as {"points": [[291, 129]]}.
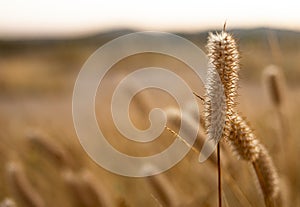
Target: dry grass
{"points": [[224, 56], [21, 186], [31, 101]]}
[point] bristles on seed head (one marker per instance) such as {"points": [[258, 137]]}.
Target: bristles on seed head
{"points": [[224, 56], [269, 179], [224, 67], [242, 139], [214, 107]]}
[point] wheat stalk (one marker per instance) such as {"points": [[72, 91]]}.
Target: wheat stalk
{"points": [[22, 186]]}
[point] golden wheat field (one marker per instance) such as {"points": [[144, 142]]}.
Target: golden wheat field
{"points": [[43, 164]]}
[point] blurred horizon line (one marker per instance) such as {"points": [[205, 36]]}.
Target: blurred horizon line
{"points": [[115, 29]]}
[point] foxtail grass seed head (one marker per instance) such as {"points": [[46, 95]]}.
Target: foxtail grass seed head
{"points": [[242, 139], [21, 185], [214, 106], [224, 66], [274, 81], [267, 174], [224, 56]]}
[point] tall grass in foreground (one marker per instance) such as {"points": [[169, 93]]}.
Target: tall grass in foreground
{"points": [[224, 57]]}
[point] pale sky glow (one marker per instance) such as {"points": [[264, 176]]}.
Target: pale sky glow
{"points": [[44, 18]]}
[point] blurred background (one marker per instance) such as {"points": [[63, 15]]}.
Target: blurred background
{"points": [[44, 44]]}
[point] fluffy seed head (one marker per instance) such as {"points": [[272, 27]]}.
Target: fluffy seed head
{"points": [[224, 56], [267, 175], [242, 139], [224, 67], [224, 64], [214, 105]]}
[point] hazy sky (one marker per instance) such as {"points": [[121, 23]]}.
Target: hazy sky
{"points": [[40, 18]]}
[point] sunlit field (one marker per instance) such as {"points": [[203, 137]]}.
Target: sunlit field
{"points": [[43, 164]]}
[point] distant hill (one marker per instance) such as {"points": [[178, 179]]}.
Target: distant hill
{"points": [[62, 58], [199, 38]]}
